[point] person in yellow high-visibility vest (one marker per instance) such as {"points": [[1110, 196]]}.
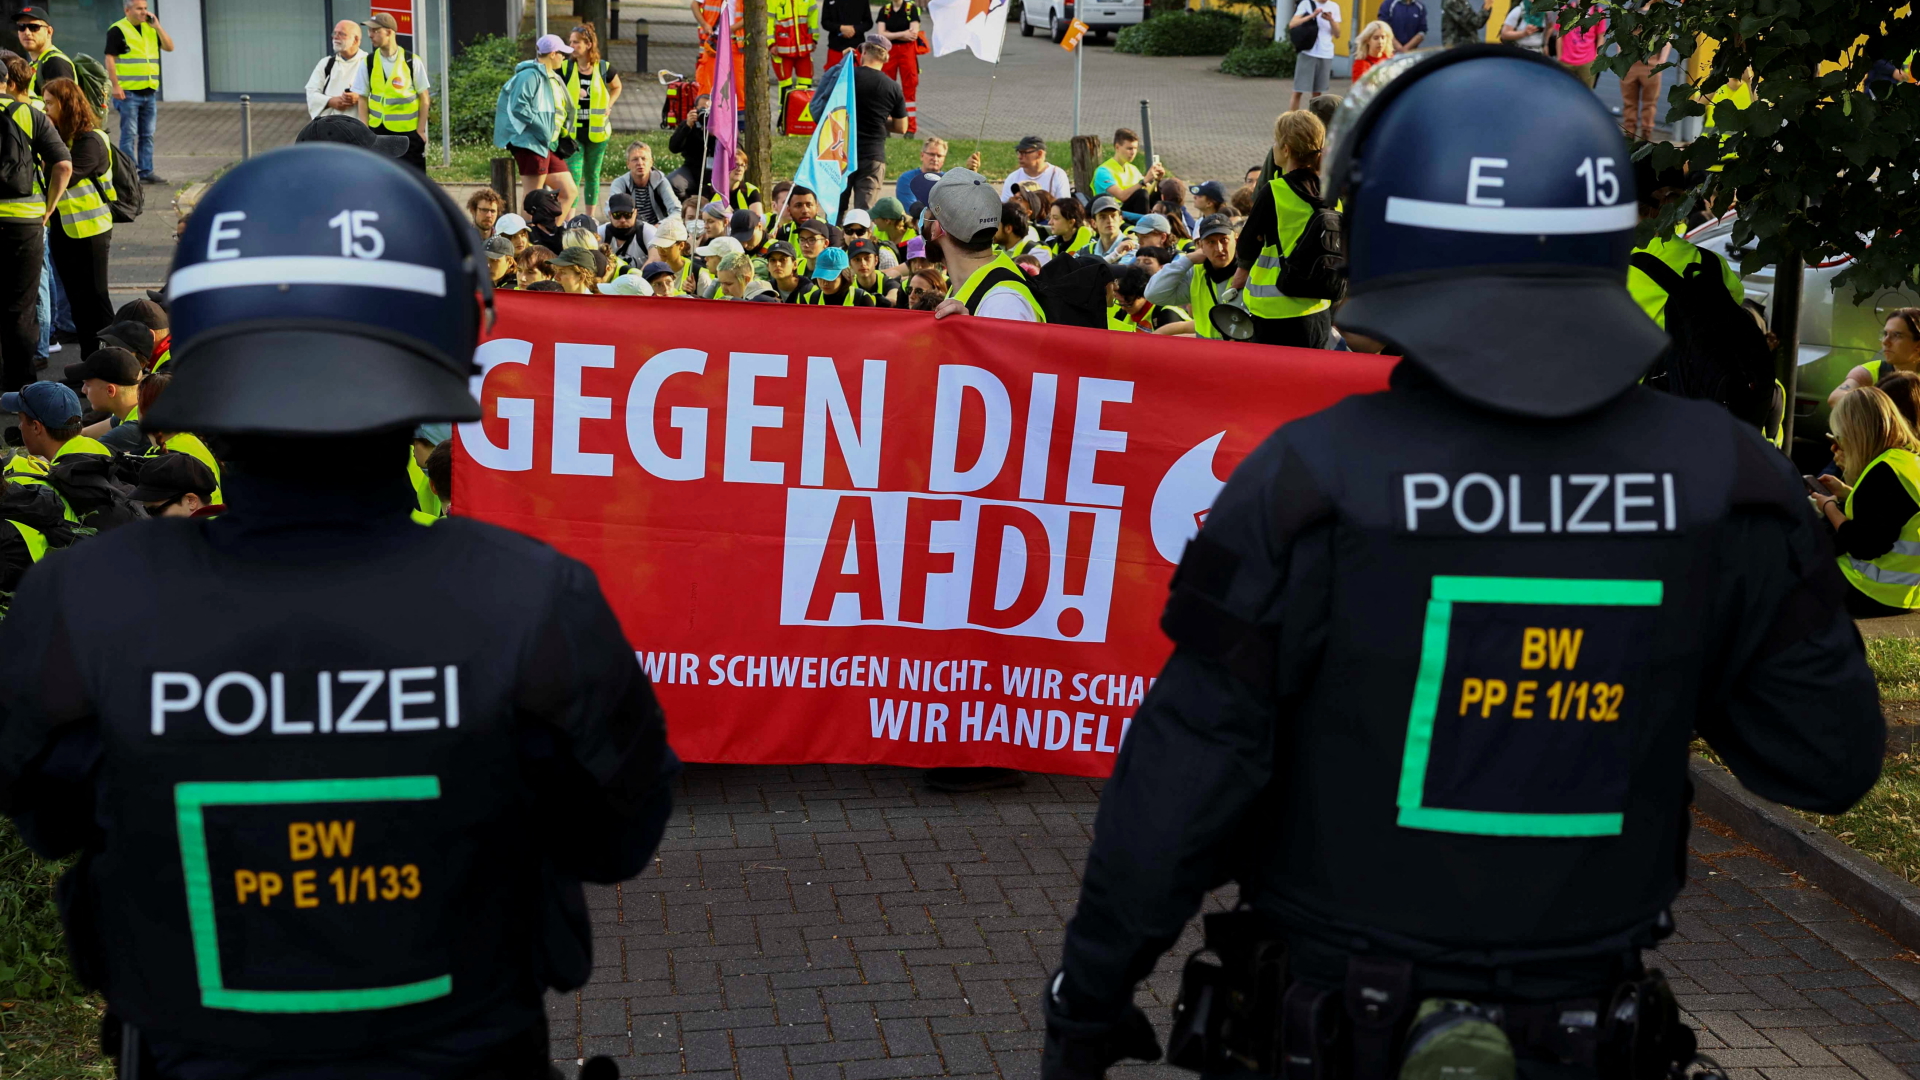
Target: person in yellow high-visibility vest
{"points": [[392, 90], [594, 86], [134, 45], [1280, 216], [1874, 505], [25, 211], [79, 242], [35, 31]]}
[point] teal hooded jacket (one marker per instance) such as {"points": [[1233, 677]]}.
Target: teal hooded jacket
{"points": [[524, 115]]}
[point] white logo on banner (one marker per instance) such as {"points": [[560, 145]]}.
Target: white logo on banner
{"points": [[1181, 501]]}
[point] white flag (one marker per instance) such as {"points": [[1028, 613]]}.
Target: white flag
{"points": [[980, 25]]}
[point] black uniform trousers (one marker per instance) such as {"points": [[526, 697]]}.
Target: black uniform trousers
{"points": [[82, 266], [1301, 331], [21, 257]]}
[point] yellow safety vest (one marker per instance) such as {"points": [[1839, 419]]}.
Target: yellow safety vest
{"points": [[1118, 319], [392, 106], [423, 492], [1892, 579], [1124, 175], [1200, 292], [183, 443], [1677, 254], [844, 299], [1264, 298], [1082, 239], [598, 124], [33, 92], [35, 204], [139, 67], [36, 540], [1000, 272], [84, 209]]}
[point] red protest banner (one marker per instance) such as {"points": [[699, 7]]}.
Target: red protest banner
{"points": [[837, 536]]}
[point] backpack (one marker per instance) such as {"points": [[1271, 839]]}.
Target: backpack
{"points": [[91, 74], [1305, 36], [128, 198], [1718, 352], [1316, 269], [17, 169], [1072, 291], [96, 488]]}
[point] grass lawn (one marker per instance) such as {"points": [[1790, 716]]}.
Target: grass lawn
{"points": [[1884, 825], [470, 163], [48, 1027]]}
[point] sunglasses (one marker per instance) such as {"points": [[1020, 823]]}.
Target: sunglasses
{"points": [[31, 27]]}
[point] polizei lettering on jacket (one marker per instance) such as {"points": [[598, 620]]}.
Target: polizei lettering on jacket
{"points": [[372, 701], [1536, 504]]}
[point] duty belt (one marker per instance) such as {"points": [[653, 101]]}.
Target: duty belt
{"points": [[1241, 1008]]}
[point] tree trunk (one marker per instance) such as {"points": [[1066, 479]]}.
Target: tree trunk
{"points": [[595, 12], [759, 76]]}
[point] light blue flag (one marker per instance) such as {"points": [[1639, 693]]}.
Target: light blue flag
{"points": [[831, 153]]}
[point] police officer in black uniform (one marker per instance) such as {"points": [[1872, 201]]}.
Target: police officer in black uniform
{"points": [[334, 777], [1440, 650]]}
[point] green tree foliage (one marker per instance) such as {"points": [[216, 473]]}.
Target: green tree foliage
{"points": [[1258, 56], [476, 76], [1817, 164]]}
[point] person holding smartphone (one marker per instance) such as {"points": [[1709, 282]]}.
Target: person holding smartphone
{"points": [[1313, 70]]}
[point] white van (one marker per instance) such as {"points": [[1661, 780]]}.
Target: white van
{"points": [[1102, 18]]}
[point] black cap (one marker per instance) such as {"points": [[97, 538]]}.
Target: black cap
{"points": [[111, 364], [541, 206], [166, 477], [32, 11], [349, 131], [817, 227], [1213, 225], [861, 245], [1031, 142], [131, 336], [781, 247], [147, 313], [740, 226], [619, 203]]}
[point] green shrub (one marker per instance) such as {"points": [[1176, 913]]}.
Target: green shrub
{"points": [[1269, 60], [1255, 30], [476, 76], [1181, 33], [33, 954]]}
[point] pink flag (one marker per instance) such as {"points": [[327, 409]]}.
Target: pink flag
{"points": [[723, 121]]}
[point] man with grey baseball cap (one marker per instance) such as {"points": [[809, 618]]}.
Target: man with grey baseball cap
{"points": [[963, 213]]}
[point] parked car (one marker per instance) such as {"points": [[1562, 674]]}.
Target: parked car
{"points": [[1101, 18], [1837, 334]]}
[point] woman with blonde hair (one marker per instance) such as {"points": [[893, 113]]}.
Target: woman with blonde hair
{"points": [[1374, 44], [1874, 504], [1278, 217]]}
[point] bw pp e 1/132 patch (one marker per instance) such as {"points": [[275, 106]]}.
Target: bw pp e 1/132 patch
{"points": [[1524, 705]]}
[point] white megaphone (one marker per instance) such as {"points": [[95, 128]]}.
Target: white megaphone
{"points": [[1229, 314]]}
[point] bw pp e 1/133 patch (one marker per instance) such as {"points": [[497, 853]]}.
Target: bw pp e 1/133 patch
{"points": [[1524, 705], [309, 896]]}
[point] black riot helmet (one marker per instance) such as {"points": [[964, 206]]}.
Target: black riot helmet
{"points": [[1490, 215], [323, 290]]}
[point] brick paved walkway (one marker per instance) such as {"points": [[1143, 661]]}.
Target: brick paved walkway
{"points": [[845, 923]]}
